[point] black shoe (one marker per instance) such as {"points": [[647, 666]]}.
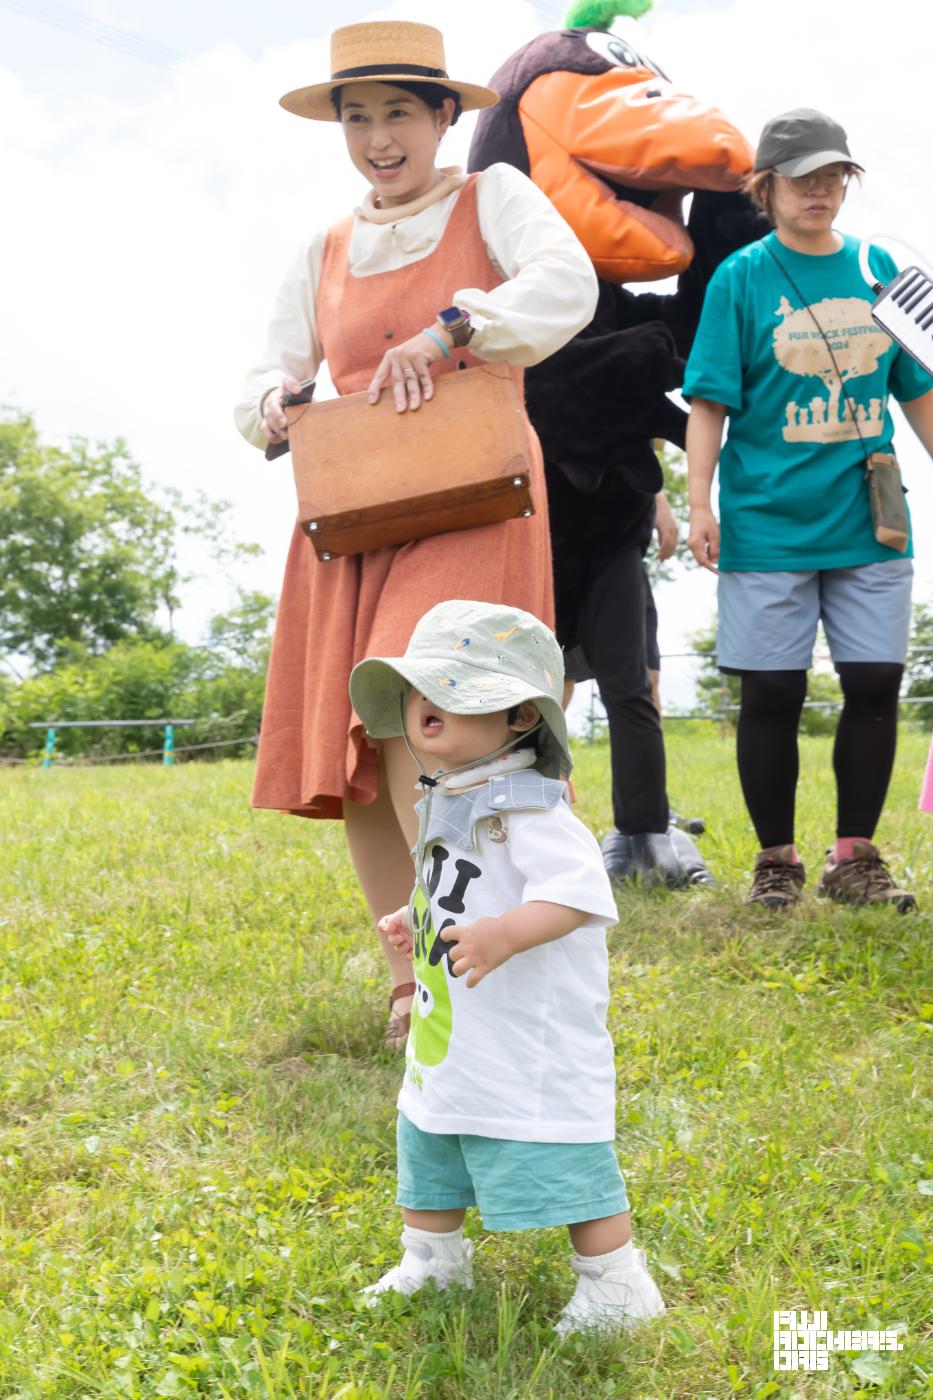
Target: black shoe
{"points": [[654, 859], [695, 825], [693, 869], [617, 855]]}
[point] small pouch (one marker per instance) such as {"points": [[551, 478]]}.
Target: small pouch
{"points": [[888, 509]]}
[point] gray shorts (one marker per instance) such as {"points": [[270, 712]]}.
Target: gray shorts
{"points": [[768, 620]]}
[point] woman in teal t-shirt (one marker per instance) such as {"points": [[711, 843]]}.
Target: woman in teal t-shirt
{"points": [[788, 351]]}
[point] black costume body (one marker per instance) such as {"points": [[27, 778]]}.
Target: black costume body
{"points": [[601, 401]]}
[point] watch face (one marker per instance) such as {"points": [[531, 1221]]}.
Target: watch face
{"points": [[452, 316]]}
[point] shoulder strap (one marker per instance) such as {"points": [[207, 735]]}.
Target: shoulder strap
{"points": [[464, 211], [453, 816], [336, 253]]}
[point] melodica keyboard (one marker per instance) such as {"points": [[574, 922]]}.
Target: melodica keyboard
{"points": [[905, 310]]}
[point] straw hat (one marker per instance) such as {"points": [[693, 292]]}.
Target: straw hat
{"points": [[383, 52]]}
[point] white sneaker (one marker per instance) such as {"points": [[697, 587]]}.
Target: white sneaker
{"points": [[420, 1263], [607, 1299]]}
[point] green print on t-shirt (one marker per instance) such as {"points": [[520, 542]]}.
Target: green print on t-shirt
{"points": [[432, 1013]]}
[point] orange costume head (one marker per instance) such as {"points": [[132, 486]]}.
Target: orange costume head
{"points": [[611, 141]]}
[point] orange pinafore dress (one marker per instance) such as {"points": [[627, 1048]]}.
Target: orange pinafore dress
{"points": [[313, 750]]}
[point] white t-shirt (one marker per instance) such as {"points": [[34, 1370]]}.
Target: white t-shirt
{"points": [[524, 1055]]}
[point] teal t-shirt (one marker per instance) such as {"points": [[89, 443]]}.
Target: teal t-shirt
{"points": [[792, 492]]}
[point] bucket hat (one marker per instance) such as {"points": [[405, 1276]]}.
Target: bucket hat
{"points": [[383, 51], [470, 658], [801, 141]]}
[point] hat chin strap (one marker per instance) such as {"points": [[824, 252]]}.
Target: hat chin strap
{"points": [[429, 783]]}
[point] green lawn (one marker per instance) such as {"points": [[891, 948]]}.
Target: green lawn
{"points": [[197, 1150]]}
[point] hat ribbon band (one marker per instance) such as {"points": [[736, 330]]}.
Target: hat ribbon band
{"points": [[369, 70]]}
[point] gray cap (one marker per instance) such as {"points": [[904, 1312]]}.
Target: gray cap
{"points": [[470, 658], [801, 141]]}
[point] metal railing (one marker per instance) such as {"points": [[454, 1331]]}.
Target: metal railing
{"points": [[596, 720], [167, 756], [168, 726]]}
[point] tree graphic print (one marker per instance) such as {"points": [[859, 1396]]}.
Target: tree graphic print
{"points": [[857, 344]]}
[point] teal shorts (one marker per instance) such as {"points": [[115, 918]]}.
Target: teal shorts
{"points": [[515, 1185]]}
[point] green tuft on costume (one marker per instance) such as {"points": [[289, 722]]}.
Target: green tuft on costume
{"points": [[599, 14]]}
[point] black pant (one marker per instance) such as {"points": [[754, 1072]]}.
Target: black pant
{"points": [[611, 632], [863, 754]]}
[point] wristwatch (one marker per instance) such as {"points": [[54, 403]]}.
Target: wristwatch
{"points": [[457, 324]]}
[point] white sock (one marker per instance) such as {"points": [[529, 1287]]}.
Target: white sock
{"points": [[613, 1290], [621, 1258], [442, 1244]]}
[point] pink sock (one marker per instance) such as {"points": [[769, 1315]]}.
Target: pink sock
{"points": [[844, 847]]}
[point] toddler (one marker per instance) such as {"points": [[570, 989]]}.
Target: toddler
{"points": [[508, 1099]]}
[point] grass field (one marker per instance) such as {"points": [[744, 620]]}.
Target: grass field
{"points": [[197, 1151]]}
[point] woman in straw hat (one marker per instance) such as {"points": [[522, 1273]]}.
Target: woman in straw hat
{"points": [[513, 284]]}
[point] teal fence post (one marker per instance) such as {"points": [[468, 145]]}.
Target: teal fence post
{"points": [[168, 748], [49, 747]]}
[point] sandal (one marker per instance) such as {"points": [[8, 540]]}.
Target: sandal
{"points": [[396, 1032]]}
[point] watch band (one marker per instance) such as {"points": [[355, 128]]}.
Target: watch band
{"points": [[457, 324]]}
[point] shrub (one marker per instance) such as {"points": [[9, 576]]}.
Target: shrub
{"points": [[133, 680]]}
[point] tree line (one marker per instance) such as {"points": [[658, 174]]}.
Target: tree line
{"points": [[90, 583]]}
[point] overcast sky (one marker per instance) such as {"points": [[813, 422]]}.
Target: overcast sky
{"points": [[153, 202]]}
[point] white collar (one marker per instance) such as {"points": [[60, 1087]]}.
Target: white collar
{"points": [[512, 762], [453, 179]]}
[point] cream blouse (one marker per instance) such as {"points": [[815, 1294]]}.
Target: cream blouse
{"points": [[549, 292]]}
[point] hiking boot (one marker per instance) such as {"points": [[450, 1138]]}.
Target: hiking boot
{"points": [[778, 879], [865, 879]]}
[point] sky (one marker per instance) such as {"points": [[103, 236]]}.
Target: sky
{"points": [[156, 193]]}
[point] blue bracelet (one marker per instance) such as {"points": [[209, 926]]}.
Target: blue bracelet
{"points": [[437, 340]]}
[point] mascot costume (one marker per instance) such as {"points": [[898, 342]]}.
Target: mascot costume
{"points": [[617, 147]]}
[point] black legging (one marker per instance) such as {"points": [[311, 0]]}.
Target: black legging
{"points": [[863, 755], [611, 629]]}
